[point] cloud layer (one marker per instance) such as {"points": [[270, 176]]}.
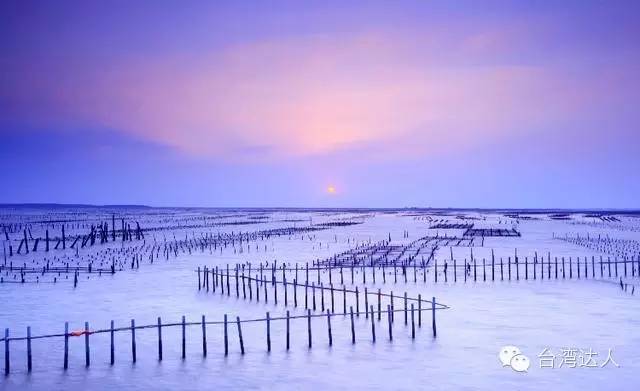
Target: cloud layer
{"points": [[330, 90]]}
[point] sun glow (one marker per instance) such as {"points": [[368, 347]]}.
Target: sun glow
{"points": [[331, 189]]}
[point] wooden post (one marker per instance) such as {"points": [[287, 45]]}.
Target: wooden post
{"points": [[160, 339], [7, 365], [284, 282], [313, 294], [66, 345], [87, 356], [204, 337], [366, 303], [419, 310], [484, 271], [221, 282], [413, 324], [275, 294], [435, 271], [333, 308], [264, 285], [392, 307], [288, 338], [309, 326], [184, 336], [329, 327], [133, 341], [586, 265], [389, 323], [240, 335], [570, 268], [226, 338], [405, 308], [465, 270], [249, 285], [379, 304], [29, 367], [237, 283], [268, 333], [373, 326], [455, 274], [306, 295], [433, 316], [228, 285], [26, 241], [493, 275], [578, 268], [344, 300], [353, 330], [112, 346]]}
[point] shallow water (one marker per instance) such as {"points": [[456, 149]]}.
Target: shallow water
{"points": [[483, 317]]}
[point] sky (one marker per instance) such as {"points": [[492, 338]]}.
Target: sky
{"points": [[523, 104]]}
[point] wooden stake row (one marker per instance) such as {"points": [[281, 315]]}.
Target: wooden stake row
{"points": [[555, 269], [249, 284], [86, 332]]}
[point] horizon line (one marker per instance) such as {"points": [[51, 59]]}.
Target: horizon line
{"points": [[311, 208]]}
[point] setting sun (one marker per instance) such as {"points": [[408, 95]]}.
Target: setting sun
{"points": [[331, 189]]}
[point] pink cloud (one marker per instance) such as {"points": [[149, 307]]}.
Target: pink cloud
{"points": [[311, 95]]}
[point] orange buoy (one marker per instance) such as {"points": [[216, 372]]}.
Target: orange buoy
{"points": [[78, 333]]}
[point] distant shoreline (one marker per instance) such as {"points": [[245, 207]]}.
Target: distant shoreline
{"points": [[326, 209]]}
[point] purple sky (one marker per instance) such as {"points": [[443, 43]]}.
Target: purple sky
{"points": [[443, 104]]}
